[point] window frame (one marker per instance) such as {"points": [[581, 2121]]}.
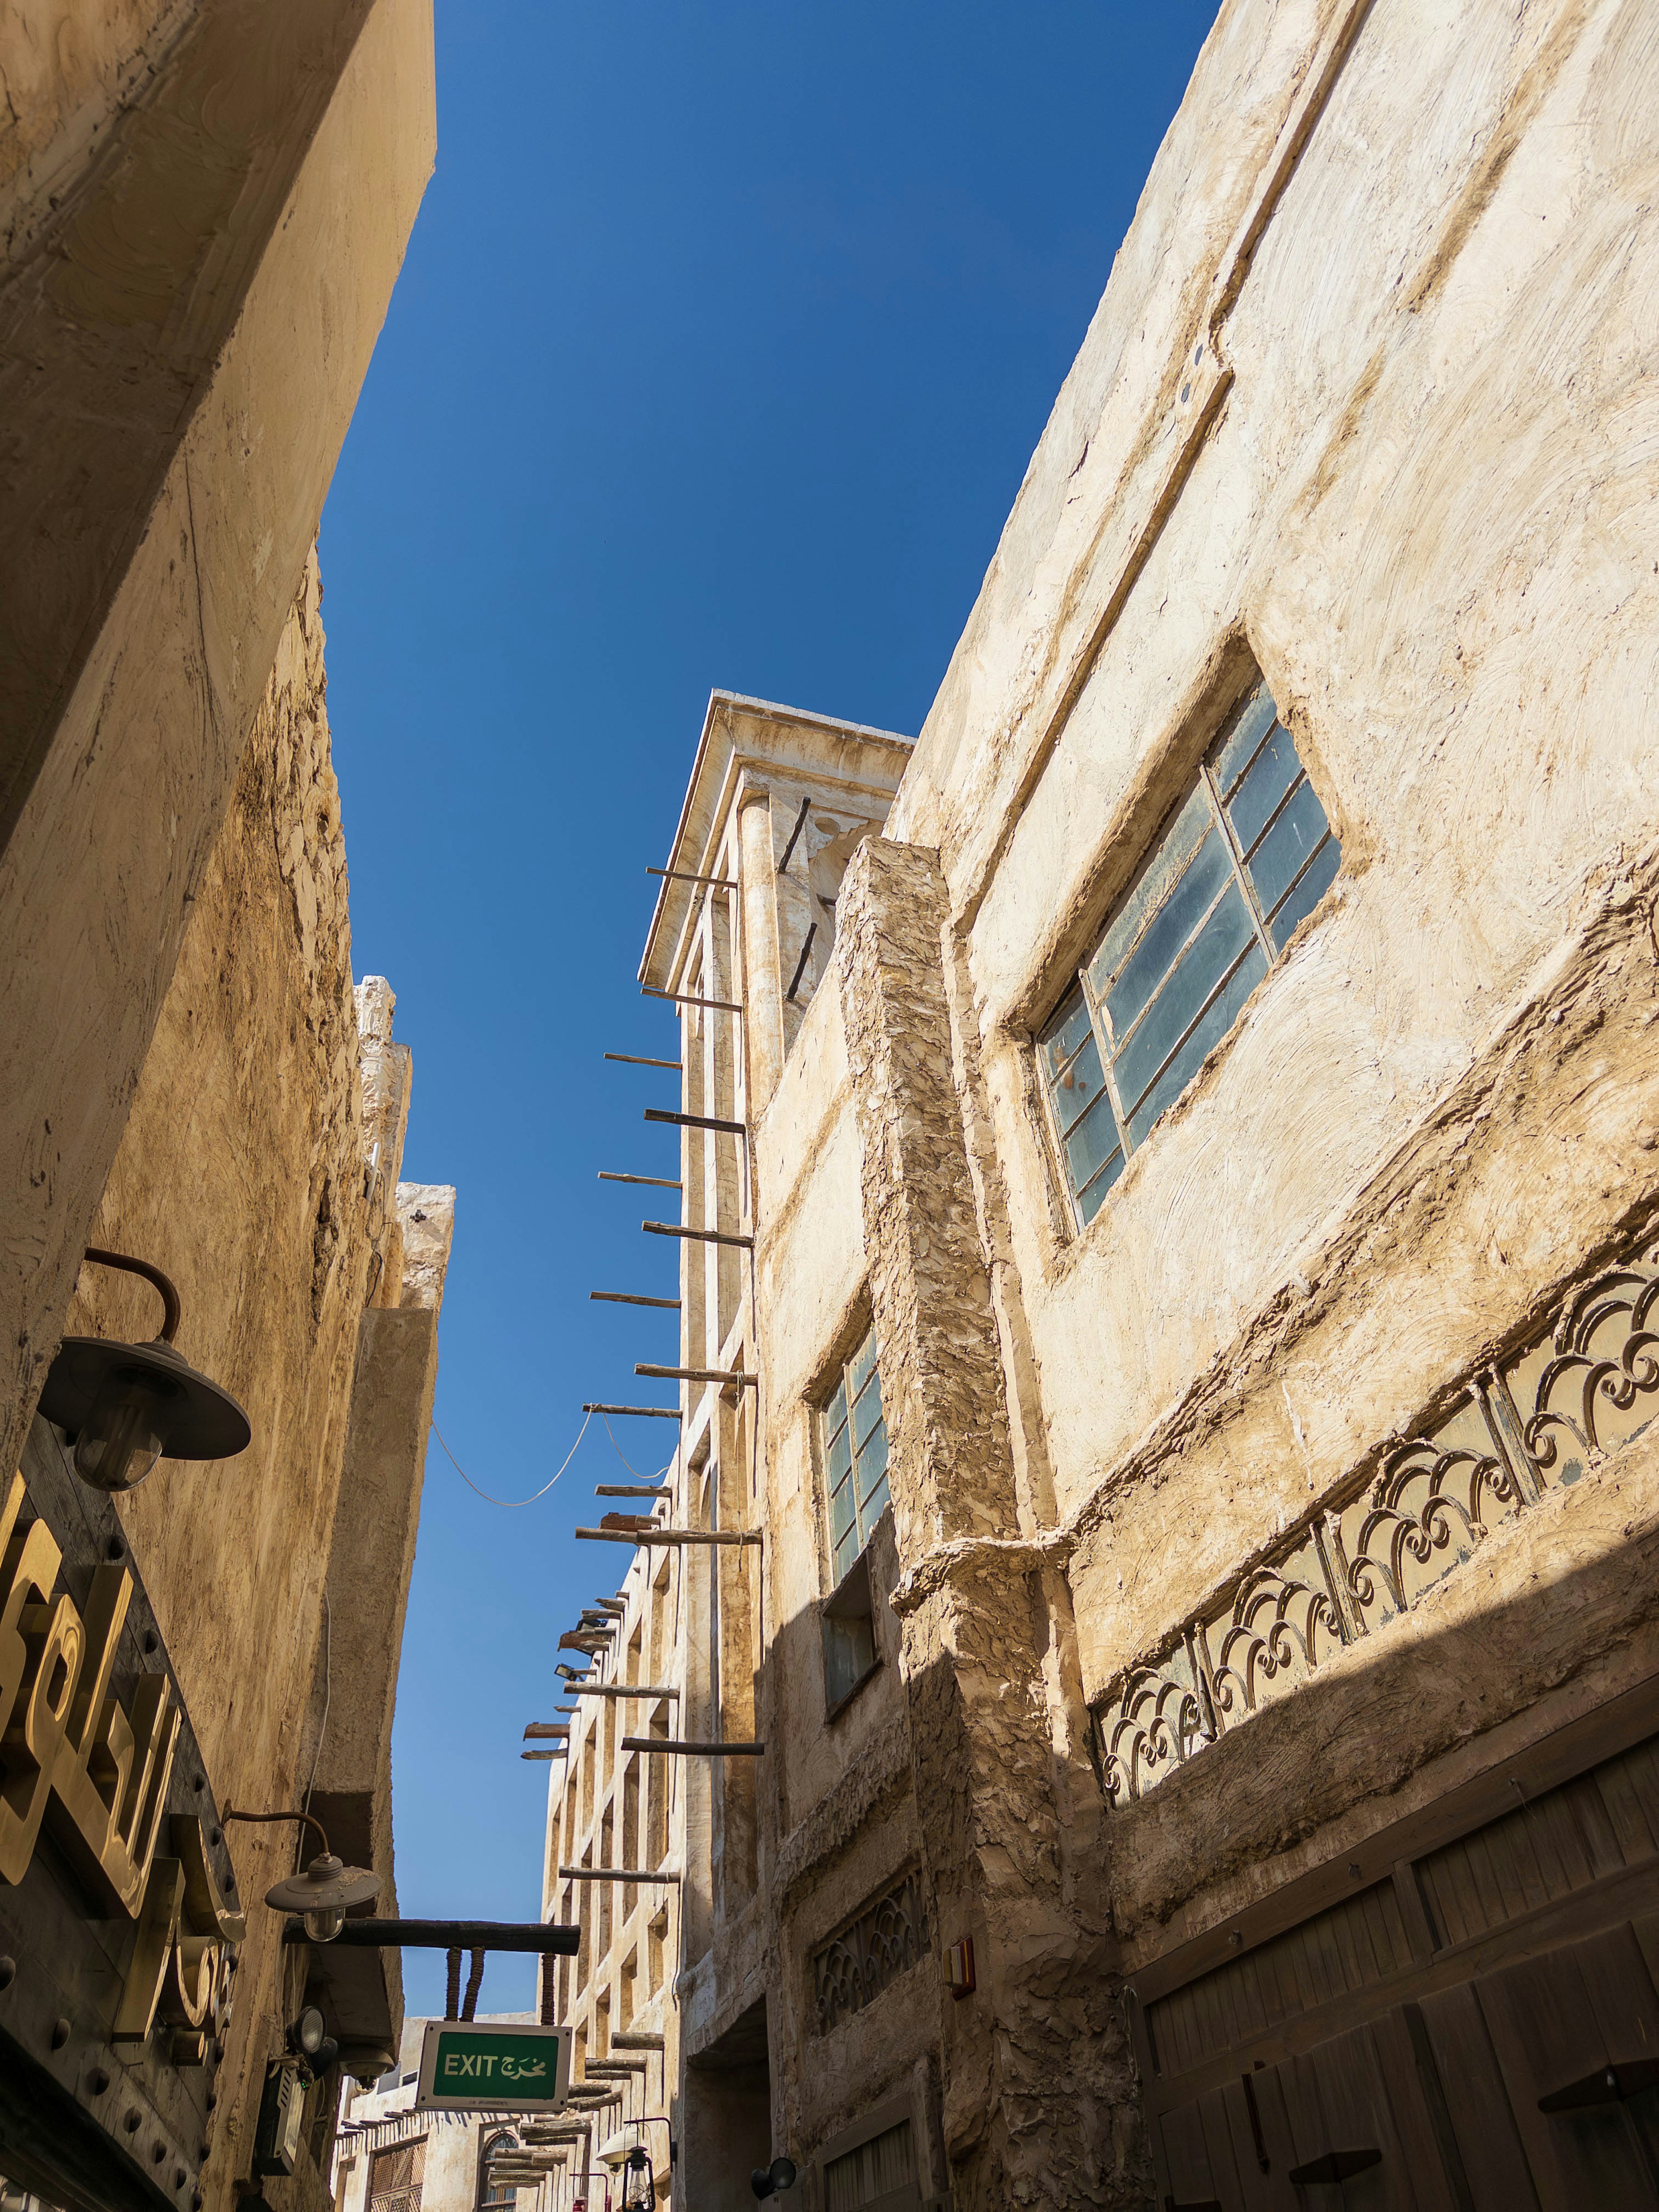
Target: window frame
{"points": [[837, 1382], [1080, 984]]}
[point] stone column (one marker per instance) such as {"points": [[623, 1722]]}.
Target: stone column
{"points": [[763, 981], [1038, 2080]]}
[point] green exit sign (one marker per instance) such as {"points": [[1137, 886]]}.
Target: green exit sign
{"points": [[495, 2065]]}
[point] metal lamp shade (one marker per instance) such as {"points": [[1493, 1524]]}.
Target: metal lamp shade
{"points": [[95, 1380], [325, 1887]]}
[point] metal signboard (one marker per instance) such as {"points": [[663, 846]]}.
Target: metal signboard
{"points": [[498, 2066]]}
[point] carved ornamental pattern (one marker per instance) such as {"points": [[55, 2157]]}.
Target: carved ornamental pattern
{"points": [[888, 1936], [1421, 1506]]}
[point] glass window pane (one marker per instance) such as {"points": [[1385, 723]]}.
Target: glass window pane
{"points": [[837, 1456], [849, 1653], [866, 1411], [841, 1513], [1276, 767], [1164, 869], [874, 1506], [1287, 848], [872, 1467], [1090, 1198], [1317, 880], [1210, 870], [862, 1366], [1205, 1038], [1092, 1143], [844, 1551], [836, 1411], [1079, 1086], [1254, 720], [1206, 961], [1068, 1030]]}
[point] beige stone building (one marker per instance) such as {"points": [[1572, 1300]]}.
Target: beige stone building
{"points": [[1173, 1303], [203, 204], [391, 2155]]}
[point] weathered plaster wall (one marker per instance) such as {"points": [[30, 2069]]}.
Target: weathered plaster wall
{"points": [[64, 76], [241, 1173], [1420, 497], [140, 654], [1425, 507]]}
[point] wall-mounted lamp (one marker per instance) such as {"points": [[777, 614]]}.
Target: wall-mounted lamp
{"points": [[768, 2180], [124, 1406], [638, 2182], [310, 2038], [322, 1893]]}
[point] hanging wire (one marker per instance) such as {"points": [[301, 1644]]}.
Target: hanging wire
{"points": [[322, 1731], [512, 1502], [628, 1462]]}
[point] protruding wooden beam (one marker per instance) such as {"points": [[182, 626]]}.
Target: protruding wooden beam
{"points": [[695, 1121], [702, 1236], [643, 1413], [697, 1375], [645, 1690], [663, 1747], [684, 999], [794, 836], [656, 1535], [614, 1874]]}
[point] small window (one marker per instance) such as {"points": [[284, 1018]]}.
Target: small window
{"points": [[854, 1457], [878, 2173], [849, 1635], [1247, 854]]}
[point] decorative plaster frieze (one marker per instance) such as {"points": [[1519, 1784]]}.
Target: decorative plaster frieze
{"points": [[1535, 1422]]}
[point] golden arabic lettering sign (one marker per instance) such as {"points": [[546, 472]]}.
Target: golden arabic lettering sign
{"points": [[467, 2065], [96, 1773]]}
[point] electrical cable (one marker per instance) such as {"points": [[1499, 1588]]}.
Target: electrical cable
{"points": [[322, 1731], [628, 1462], [512, 1502]]}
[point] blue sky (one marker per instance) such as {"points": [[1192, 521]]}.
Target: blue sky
{"points": [[725, 336]]}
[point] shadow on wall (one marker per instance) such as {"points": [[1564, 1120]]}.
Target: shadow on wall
{"points": [[1363, 1728]]}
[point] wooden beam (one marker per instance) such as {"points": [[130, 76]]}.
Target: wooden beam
{"points": [[663, 1747], [655, 1535], [702, 1236], [696, 1375], [613, 1874]]}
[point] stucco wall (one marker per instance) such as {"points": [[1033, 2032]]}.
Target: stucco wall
{"points": [[1426, 505], [241, 1173], [1363, 405], [140, 650]]}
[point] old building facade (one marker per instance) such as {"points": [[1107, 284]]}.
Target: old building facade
{"points": [[202, 210], [1163, 1492]]}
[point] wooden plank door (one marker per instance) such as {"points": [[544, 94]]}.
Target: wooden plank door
{"points": [[1577, 2036]]}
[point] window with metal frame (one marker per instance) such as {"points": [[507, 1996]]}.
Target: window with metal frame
{"points": [[1246, 856], [854, 1457]]}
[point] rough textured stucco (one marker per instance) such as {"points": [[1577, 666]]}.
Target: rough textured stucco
{"points": [[1016, 2063], [240, 1172], [1367, 411], [65, 76], [158, 686]]}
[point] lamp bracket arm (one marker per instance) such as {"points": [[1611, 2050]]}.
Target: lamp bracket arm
{"points": [[152, 1275], [311, 1820]]}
